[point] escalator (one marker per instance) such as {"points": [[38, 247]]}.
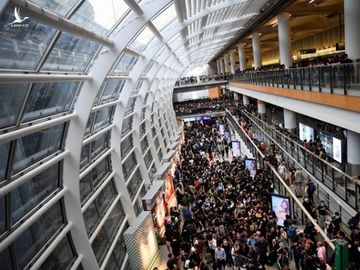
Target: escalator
{"points": [[334, 187]]}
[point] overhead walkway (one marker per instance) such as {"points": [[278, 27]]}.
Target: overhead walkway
{"points": [[334, 187], [189, 87]]}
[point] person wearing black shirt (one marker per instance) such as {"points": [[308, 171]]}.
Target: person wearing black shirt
{"points": [[171, 262], [336, 222], [322, 209]]}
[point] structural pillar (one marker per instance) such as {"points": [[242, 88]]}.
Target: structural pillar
{"points": [[353, 153], [218, 66], [285, 39], [236, 96], [256, 50], [246, 100], [289, 120], [222, 70], [226, 64], [261, 109], [232, 62], [241, 52], [261, 106], [352, 28]]}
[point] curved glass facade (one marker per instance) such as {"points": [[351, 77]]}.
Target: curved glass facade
{"points": [[94, 90]]}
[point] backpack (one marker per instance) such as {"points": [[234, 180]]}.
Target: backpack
{"points": [[312, 188]]}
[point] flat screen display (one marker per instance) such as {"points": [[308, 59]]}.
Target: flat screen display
{"points": [[204, 117], [235, 148], [189, 119], [221, 129], [251, 165], [337, 152], [327, 142], [306, 132], [281, 206]]}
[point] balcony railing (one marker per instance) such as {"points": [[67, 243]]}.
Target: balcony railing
{"points": [[336, 79]]}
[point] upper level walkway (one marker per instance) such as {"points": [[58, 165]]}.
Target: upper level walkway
{"points": [[340, 79], [202, 85]]}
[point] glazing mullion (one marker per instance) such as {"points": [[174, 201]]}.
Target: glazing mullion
{"points": [[46, 53], [21, 112], [13, 257]]}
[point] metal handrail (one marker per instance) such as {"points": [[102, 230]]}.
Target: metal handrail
{"points": [[299, 145], [288, 189], [314, 78]]}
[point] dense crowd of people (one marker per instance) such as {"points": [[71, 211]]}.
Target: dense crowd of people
{"points": [[203, 105], [197, 79], [224, 219], [312, 62]]}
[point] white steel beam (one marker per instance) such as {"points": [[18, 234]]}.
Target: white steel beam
{"points": [[51, 19]]}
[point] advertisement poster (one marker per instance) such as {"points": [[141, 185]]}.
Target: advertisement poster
{"points": [[235, 147], [306, 132], [169, 188], [251, 165], [281, 206], [327, 142]]}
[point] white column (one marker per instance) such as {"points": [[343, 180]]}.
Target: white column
{"points": [[232, 62], [222, 70], [246, 100], [226, 64], [218, 66], [256, 49], [353, 153], [284, 39], [289, 119], [241, 52], [261, 106], [236, 96], [352, 28]]}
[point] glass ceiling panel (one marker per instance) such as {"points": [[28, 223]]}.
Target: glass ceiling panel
{"points": [[147, 68], [50, 98], [4, 152], [70, 53], [22, 45], [111, 91], [165, 17], [60, 7], [142, 40], [12, 98], [125, 64], [100, 16]]}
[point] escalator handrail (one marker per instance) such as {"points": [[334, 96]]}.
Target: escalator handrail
{"points": [[299, 145]]}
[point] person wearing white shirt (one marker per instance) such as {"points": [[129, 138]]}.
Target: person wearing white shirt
{"points": [[220, 257]]}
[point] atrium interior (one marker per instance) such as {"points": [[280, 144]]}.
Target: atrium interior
{"points": [[108, 114]]}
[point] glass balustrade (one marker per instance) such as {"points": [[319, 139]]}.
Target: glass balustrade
{"points": [[329, 175], [338, 79]]}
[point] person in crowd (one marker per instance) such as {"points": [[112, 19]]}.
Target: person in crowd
{"points": [[282, 169], [171, 262], [321, 252], [310, 189], [321, 213]]}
